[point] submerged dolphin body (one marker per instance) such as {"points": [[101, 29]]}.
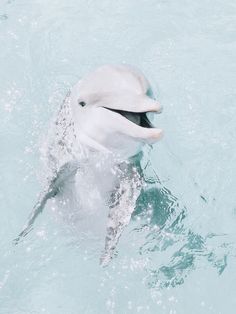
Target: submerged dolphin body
{"points": [[104, 115]]}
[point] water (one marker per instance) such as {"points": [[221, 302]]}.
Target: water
{"points": [[178, 258]]}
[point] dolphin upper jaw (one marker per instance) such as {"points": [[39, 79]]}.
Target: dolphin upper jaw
{"points": [[121, 100]]}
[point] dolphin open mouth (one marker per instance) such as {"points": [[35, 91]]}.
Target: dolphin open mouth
{"points": [[139, 118]]}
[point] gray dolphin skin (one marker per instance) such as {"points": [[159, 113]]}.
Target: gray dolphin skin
{"points": [[104, 116]]}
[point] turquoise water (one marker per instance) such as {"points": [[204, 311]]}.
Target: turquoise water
{"points": [[181, 257]]}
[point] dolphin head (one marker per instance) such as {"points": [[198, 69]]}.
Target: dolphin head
{"points": [[110, 107]]}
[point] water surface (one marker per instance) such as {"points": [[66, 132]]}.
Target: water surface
{"points": [[178, 257]]}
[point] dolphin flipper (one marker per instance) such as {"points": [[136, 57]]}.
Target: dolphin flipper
{"points": [[122, 206], [66, 171]]}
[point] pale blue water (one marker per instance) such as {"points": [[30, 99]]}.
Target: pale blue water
{"points": [[187, 49]]}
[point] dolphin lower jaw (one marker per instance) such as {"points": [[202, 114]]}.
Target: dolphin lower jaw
{"points": [[119, 132], [136, 125]]}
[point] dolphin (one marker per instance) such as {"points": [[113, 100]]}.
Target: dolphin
{"points": [[105, 115]]}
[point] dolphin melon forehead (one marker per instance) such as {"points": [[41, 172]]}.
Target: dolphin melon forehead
{"points": [[113, 78]]}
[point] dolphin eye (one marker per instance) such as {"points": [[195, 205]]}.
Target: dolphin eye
{"points": [[81, 103]]}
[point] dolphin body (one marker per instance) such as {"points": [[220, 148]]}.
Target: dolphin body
{"points": [[104, 119]]}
